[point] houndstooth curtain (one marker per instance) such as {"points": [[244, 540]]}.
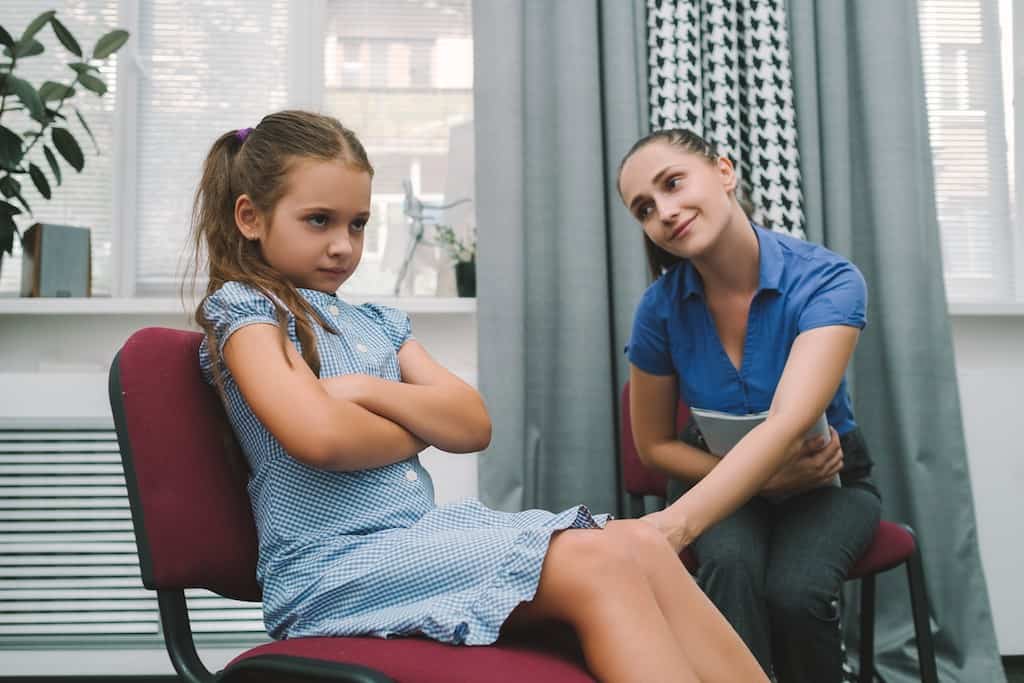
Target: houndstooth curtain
{"points": [[721, 68]]}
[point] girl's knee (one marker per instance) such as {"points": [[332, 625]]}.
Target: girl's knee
{"points": [[641, 541], [592, 558]]}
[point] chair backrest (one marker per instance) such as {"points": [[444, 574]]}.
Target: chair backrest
{"points": [[640, 480], [185, 473]]}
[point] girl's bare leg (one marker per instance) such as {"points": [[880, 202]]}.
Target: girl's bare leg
{"points": [[711, 646], [590, 581]]}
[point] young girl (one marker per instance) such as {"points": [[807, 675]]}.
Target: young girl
{"points": [[743, 320], [332, 403]]}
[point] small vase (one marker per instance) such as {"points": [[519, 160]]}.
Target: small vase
{"points": [[465, 278]]}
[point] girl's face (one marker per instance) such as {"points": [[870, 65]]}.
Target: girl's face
{"points": [[683, 200], [315, 236]]}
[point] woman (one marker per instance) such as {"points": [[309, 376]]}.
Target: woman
{"points": [[744, 320]]}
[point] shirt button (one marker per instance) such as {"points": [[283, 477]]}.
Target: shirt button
{"points": [[411, 475], [361, 348], [334, 310]]}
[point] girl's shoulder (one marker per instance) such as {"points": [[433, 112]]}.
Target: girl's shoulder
{"points": [[235, 304]]}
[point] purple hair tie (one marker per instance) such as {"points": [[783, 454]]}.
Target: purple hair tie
{"points": [[242, 133]]}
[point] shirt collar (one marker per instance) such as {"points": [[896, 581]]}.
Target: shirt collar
{"points": [[770, 266], [771, 259]]}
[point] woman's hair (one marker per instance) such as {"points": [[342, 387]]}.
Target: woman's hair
{"points": [[659, 260], [255, 162]]}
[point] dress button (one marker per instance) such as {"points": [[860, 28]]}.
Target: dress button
{"points": [[334, 310], [361, 348], [411, 475]]}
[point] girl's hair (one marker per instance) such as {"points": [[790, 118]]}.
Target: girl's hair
{"points": [[659, 260], [255, 162]]}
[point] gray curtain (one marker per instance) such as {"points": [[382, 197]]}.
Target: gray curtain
{"points": [[559, 95], [869, 193]]}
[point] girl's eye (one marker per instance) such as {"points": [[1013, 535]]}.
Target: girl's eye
{"points": [[318, 220], [644, 211], [359, 225], [673, 182]]}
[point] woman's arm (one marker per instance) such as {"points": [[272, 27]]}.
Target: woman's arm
{"points": [[313, 427], [652, 406], [813, 371], [430, 401]]}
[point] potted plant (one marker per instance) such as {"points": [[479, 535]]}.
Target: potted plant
{"points": [[33, 131], [463, 253]]}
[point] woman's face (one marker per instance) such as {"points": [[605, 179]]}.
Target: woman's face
{"points": [[683, 200]]}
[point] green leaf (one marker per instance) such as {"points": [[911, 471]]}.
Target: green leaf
{"points": [[65, 37], [8, 228], [10, 187], [25, 48], [83, 68], [55, 91], [27, 94], [92, 83], [10, 148], [110, 43], [81, 120], [52, 160], [68, 147], [5, 38], [37, 24], [39, 179], [21, 199], [8, 209]]}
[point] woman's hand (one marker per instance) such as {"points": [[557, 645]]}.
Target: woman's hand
{"points": [[814, 465], [676, 531]]}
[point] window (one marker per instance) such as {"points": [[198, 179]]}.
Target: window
{"points": [[400, 74], [968, 51], [397, 72], [83, 199]]}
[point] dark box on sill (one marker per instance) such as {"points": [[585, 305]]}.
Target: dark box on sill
{"points": [[56, 261]]}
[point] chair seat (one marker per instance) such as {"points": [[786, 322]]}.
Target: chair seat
{"points": [[413, 659], [890, 547]]}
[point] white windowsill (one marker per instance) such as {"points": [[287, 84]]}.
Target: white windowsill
{"points": [[174, 306], [986, 308]]}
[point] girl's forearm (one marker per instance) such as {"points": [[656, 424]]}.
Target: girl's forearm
{"points": [[348, 437], [451, 417]]}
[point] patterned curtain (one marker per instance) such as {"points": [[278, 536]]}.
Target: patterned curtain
{"points": [[721, 68]]}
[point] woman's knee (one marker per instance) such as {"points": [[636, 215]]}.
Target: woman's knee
{"points": [[730, 563]]}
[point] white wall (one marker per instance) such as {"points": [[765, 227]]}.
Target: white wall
{"points": [[990, 370]]}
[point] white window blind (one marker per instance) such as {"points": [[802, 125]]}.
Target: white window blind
{"points": [[400, 74], [208, 66], [82, 199], [967, 55]]}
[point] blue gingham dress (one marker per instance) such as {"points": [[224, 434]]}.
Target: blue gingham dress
{"points": [[369, 552]]}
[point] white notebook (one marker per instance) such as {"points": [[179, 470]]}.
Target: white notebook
{"points": [[722, 431]]}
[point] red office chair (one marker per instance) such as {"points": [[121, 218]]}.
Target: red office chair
{"points": [[893, 545], [194, 529]]}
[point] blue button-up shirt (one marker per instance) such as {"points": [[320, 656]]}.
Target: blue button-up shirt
{"points": [[801, 286]]}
